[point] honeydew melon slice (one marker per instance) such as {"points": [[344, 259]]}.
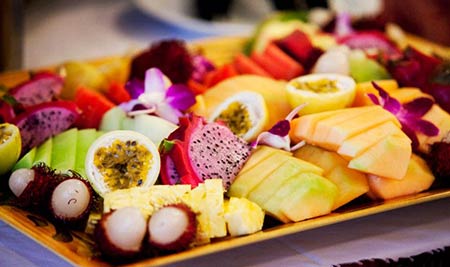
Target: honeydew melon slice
{"points": [[64, 150], [26, 161], [264, 190], [85, 139], [44, 152]]}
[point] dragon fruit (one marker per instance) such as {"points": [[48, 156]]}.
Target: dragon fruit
{"points": [[198, 150], [42, 121], [43, 87]]}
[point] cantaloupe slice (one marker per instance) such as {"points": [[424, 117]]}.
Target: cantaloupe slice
{"points": [[364, 88], [408, 94], [341, 132], [359, 143], [418, 178], [268, 186], [389, 157], [325, 159], [323, 127], [302, 128], [441, 119]]}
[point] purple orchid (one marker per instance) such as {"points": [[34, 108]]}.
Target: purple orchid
{"points": [[156, 95], [409, 114], [278, 135]]}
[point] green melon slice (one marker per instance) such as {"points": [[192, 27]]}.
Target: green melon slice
{"points": [[44, 152], [64, 150], [84, 140]]}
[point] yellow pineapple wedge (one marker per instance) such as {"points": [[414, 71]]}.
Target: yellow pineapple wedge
{"points": [[243, 216]]}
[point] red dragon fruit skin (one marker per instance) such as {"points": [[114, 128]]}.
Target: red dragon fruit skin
{"points": [[42, 121], [43, 87], [204, 151]]}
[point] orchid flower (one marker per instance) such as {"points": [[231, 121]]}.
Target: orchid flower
{"points": [[343, 25], [156, 95], [409, 114], [278, 135]]}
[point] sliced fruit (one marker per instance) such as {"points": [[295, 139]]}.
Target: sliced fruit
{"points": [[388, 158], [85, 138], [359, 143], [220, 74], [64, 150], [83, 74], [364, 88], [26, 161], [93, 106], [418, 178], [293, 166], [321, 92], [247, 181], [407, 94], [44, 152], [42, 121], [441, 119], [271, 90], [43, 87], [154, 127], [259, 154], [112, 119], [364, 69], [351, 183], [122, 159], [10, 146], [245, 113], [243, 216], [245, 65], [290, 67], [298, 45], [117, 93]]}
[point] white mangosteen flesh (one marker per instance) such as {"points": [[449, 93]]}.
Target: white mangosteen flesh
{"points": [[70, 199], [19, 180], [167, 225], [126, 228]]}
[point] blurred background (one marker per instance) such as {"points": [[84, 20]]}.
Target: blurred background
{"points": [[43, 32]]}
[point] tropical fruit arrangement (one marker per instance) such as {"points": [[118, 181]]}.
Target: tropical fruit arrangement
{"points": [[171, 148]]}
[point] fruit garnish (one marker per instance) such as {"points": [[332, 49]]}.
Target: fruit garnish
{"points": [[42, 121], [278, 135], [10, 146], [245, 113], [166, 102], [170, 56], [122, 159], [439, 160], [43, 87], [172, 227], [200, 151], [120, 234], [409, 114], [243, 216], [321, 92], [93, 106], [201, 66]]}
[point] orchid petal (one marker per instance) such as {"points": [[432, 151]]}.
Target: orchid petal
{"points": [[392, 105], [295, 111], [180, 97], [424, 126], [419, 106], [343, 25], [412, 135], [135, 88], [129, 106], [154, 81], [281, 128], [273, 140], [374, 99], [165, 111]]}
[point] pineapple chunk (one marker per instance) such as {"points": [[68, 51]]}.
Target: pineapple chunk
{"points": [[243, 216], [146, 199], [207, 200]]}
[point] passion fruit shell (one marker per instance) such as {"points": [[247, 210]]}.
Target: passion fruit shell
{"points": [[122, 159], [10, 146]]}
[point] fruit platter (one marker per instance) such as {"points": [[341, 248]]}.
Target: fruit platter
{"points": [[187, 149]]}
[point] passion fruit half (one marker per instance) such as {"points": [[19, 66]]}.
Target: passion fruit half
{"points": [[245, 113], [10, 146], [122, 159]]}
